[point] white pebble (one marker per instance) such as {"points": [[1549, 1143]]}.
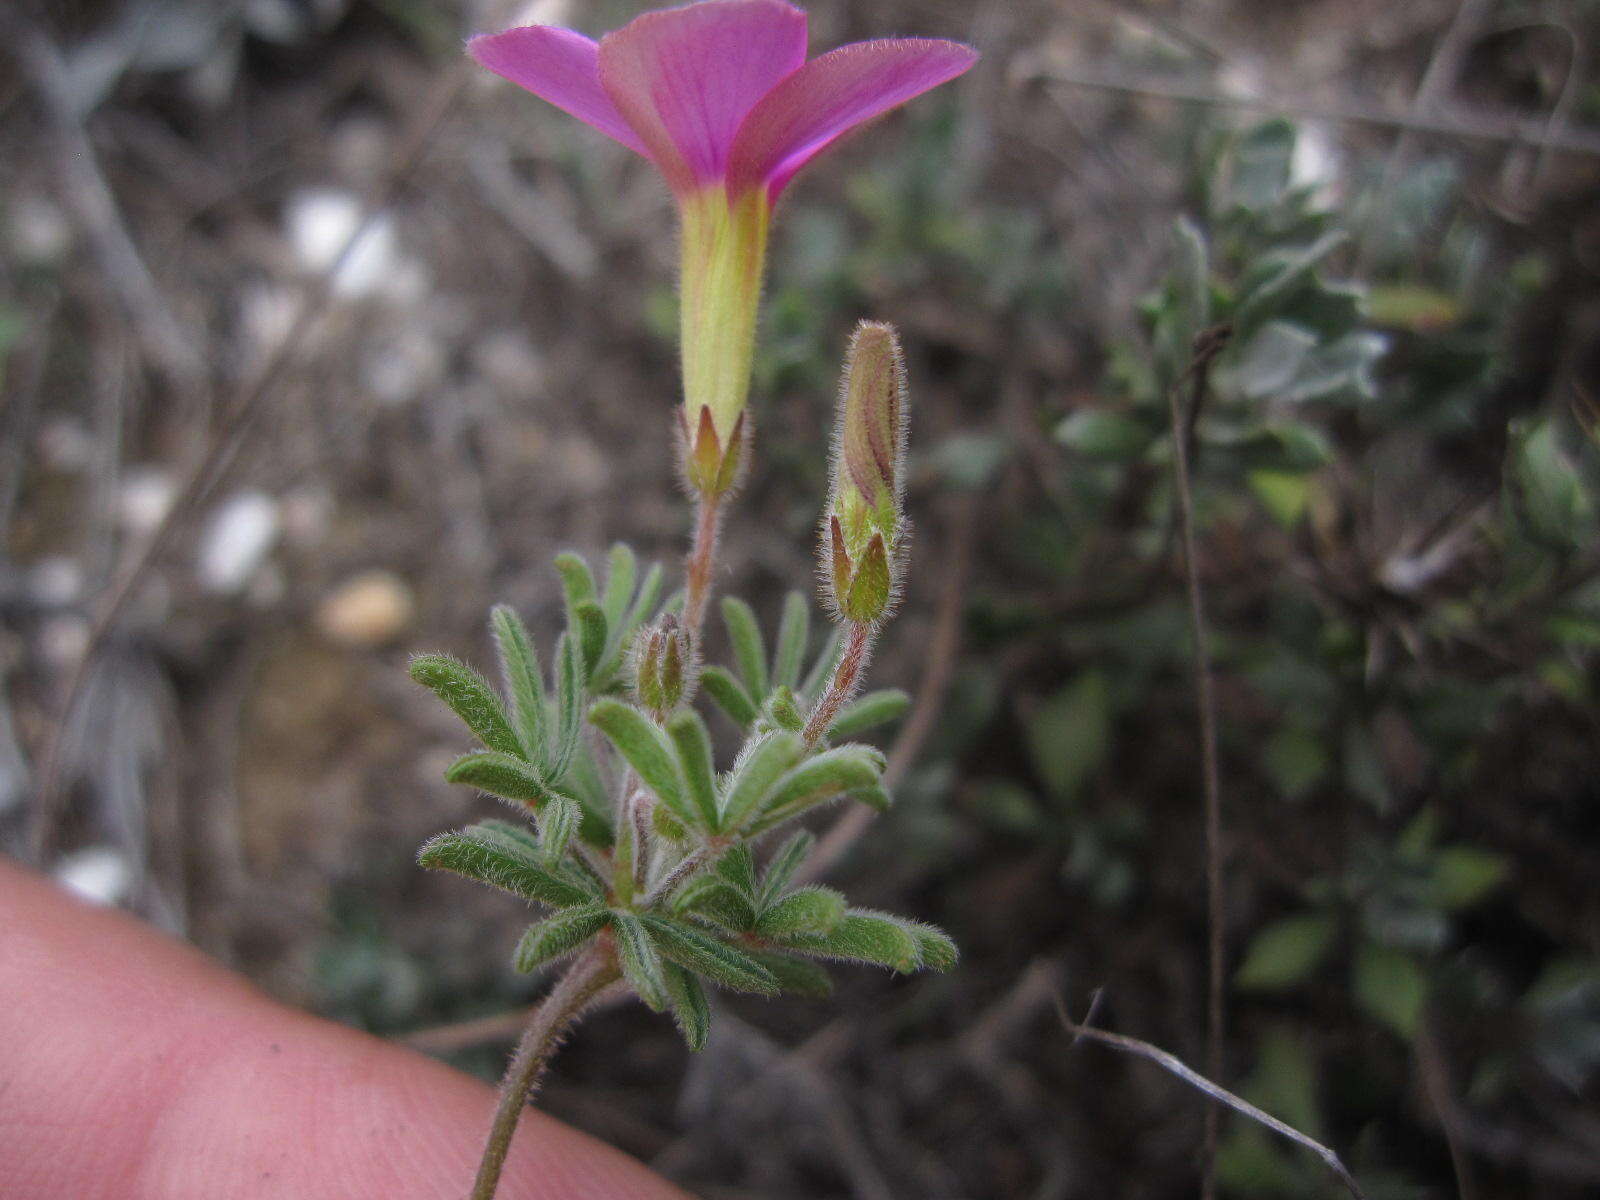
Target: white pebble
{"points": [[98, 874], [237, 540]]}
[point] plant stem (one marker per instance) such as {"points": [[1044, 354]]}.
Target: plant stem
{"points": [[589, 975], [702, 559], [846, 678]]}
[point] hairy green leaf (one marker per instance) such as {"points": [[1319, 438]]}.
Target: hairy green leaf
{"points": [[761, 766], [873, 709], [794, 631], [693, 744], [938, 949], [487, 854], [577, 583], [559, 935], [689, 1007], [646, 748], [808, 910], [620, 575], [519, 664], [795, 975], [784, 863], [557, 823], [864, 936], [590, 630], [738, 866], [823, 777], [471, 698], [730, 695], [569, 704], [705, 955], [641, 964], [749, 651], [499, 775], [716, 900]]}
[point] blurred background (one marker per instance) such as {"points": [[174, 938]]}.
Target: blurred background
{"points": [[246, 473]]}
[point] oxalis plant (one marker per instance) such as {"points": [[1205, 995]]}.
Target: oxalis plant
{"points": [[656, 873]]}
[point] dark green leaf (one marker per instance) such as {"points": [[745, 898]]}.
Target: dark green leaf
{"points": [[718, 901], [1286, 952], [808, 910], [487, 854], [557, 823], [646, 748], [569, 704], [794, 632], [822, 777], [641, 964], [738, 866], [938, 949], [705, 955], [749, 650], [873, 709], [499, 775], [471, 698], [1391, 986], [784, 863], [730, 696], [590, 630], [795, 975], [689, 1007], [864, 936], [559, 935], [1070, 734], [520, 666], [693, 743], [1464, 875], [763, 763]]}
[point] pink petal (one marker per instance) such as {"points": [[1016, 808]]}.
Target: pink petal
{"points": [[562, 67], [831, 95], [684, 78]]}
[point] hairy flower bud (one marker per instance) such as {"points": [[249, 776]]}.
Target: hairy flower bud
{"points": [[663, 668], [864, 527]]}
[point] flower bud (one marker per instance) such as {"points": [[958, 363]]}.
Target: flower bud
{"points": [[864, 525], [663, 669]]}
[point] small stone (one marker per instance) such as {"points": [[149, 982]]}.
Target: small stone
{"points": [[38, 231], [370, 609], [98, 874], [144, 499], [237, 541], [321, 221]]}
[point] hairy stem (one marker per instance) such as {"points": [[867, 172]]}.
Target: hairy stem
{"points": [[702, 560], [846, 679], [591, 973]]}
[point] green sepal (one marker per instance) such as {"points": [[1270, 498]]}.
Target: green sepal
{"points": [[489, 855], [749, 651], [784, 863], [871, 710], [808, 910], [641, 964], [730, 696], [864, 936], [717, 901], [826, 776], [471, 698], [499, 775], [692, 741], [762, 765], [795, 976], [559, 820], [519, 665], [640, 741], [705, 955], [620, 573], [871, 586], [559, 935], [794, 630], [589, 627], [689, 1006]]}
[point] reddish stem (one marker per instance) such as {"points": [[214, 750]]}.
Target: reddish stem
{"points": [[846, 678]]}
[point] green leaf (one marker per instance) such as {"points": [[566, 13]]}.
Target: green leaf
{"points": [[499, 775], [1464, 875], [689, 1007], [644, 604], [1284, 494], [559, 935], [1296, 761], [784, 863], [738, 867], [1070, 735], [582, 781], [784, 711], [795, 975], [519, 664], [471, 698], [938, 950], [1286, 952], [560, 819], [619, 585], [825, 776], [641, 964], [705, 955], [794, 631], [569, 704], [808, 910], [1103, 435], [758, 768], [693, 744], [730, 696], [487, 854], [873, 709], [749, 651], [718, 901], [864, 936], [590, 631], [577, 584], [1391, 986], [646, 748]]}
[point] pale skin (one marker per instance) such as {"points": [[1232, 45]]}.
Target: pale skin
{"points": [[133, 1068]]}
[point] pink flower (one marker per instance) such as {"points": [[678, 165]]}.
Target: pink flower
{"points": [[720, 97]]}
